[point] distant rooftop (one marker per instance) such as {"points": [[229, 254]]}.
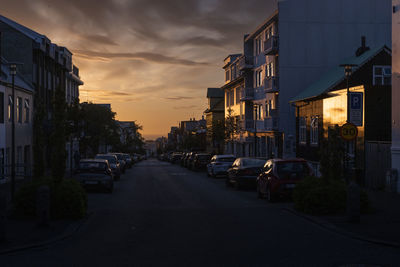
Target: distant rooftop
{"points": [[215, 93]]}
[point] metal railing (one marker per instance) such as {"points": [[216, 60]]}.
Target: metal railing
{"points": [[271, 124], [245, 62], [247, 94], [271, 84], [271, 45]]}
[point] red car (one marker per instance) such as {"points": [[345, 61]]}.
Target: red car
{"points": [[280, 176]]}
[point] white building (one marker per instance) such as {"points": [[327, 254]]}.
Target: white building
{"points": [[300, 41], [396, 88]]}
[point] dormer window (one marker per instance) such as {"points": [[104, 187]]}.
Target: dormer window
{"points": [[382, 75], [227, 76]]}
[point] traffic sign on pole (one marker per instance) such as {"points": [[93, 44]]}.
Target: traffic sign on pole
{"points": [[348, 131], [356, 108]]}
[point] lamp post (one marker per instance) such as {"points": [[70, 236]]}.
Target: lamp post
{"points": [[13, 72], [348, 70]]}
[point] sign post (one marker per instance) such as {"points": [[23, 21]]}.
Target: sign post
{"points": [[356, 108]]}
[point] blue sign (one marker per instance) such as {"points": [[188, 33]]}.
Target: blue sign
{"points": [[356, 108]]}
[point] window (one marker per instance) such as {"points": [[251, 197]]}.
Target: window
{"points": [[19, 109], [238, 95], [1, 108], [270, 69], [268, 107], [382, 75], [231, 98], [227, 75], [314, 130], [26, 106], [257, 44], [302, 130], [10, 104], [227, 98], [258, 78]]}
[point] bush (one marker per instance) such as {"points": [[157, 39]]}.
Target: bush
{"points": [[68, 199], [319, 196]]}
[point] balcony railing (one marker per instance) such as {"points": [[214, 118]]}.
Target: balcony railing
{"points": [[245, 62], [271, 84], [271, 45], [247, 94], [271, 124], [246, 125]]}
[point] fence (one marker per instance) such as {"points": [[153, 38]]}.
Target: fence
{"points": [[377, 163]]}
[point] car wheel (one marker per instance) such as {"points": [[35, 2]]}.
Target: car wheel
{"points": [[270, 196]]}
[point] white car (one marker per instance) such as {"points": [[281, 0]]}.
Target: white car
{"points": [[219, 165]]}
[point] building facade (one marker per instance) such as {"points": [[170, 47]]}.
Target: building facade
{"points": [[215, 120]]}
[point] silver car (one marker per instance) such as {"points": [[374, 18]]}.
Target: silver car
{"points": [[219, 165]]}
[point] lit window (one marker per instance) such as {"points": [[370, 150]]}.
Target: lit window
{"points": [[10, 100], [302, 130], [19, 109], [382, 75], [26, 106], [314, 131]]}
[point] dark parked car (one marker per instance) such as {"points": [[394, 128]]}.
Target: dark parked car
{"points": [[122, 163], [200, 161], [189, 160], [95, 173], [244, 172], [186, 162], [128, 160], [114, 164], [183, 158], [176, 157], [279, 177]]}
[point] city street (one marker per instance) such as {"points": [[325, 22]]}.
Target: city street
{"points": [[165, 215]]}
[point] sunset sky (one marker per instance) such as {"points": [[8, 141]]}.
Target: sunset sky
{"points": [[151, 59]]}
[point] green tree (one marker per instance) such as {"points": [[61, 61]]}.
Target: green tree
{"points": [[231, 127], [332, 153], [38, 139], [58, 136], [218, 134], [134, 141]]}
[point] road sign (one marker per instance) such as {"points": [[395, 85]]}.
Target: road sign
{"points": [[348, 131], [356, 108]]}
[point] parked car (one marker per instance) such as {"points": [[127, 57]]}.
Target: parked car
{"points": [[114, 164], [183, 158], [128, 160], [189, 160], [244, 172], [280, 176], [186, 162], [219, 165], [122, 163], [176, 157], [200, 161], [95, 173]]}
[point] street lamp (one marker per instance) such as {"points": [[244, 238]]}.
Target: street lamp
{"points": [[13, 72], [348, 71]]}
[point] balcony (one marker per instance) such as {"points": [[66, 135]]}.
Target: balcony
{"points": [[246, 125], [271, 84], [271, 46], [247, 94], [271, 124], [245, 62]]}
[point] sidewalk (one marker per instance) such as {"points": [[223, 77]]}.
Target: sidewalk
{"points": [[382, 226], [24, 234]]}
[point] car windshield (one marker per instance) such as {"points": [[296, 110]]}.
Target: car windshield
{"points": [[229, 160], [253, 162], [92, 166], [289, 170], [119, 156], [110, 159]]}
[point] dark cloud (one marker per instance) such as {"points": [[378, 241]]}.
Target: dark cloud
{"points": [[179, 98], [146, 56], [101, 39]]}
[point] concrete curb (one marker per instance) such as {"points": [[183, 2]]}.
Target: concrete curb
{"points": [[331, 227], [70, 230]]}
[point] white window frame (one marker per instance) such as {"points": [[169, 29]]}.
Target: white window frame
{"points": [[302, 130], [314, 133], [383, 75]]}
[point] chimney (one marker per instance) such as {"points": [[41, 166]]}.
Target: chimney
{"points": [[361, 50]]}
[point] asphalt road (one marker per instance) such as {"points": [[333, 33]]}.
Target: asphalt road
{"points": [[164, 215]]}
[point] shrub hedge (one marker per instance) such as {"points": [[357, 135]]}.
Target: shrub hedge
{"points": [[68, 200], [320, 196]]}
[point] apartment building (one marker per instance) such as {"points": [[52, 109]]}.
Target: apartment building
{"points": [[43, 65], [299, 42], [215, 120]]}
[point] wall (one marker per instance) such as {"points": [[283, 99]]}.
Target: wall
{"points": [[315, 35], [396, 89]]}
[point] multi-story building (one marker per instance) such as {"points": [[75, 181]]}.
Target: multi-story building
{"points": [[43, 65], [287, 53], [215, 120], [23, 123]]}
